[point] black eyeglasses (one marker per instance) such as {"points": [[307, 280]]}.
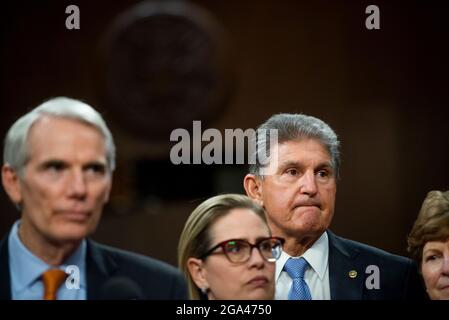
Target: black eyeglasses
{"points": [[239, 251]]}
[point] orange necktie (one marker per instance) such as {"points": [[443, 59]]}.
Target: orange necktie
{"points": [[52, 279]]}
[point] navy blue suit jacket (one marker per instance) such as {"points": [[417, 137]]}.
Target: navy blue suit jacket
{"points": [[399, 278], [155, 279]]}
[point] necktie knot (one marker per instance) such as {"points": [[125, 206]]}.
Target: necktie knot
{"points": [[52, 280], [296, 267]]}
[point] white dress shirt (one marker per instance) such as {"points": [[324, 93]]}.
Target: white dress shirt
{"points": [[316, 275]]}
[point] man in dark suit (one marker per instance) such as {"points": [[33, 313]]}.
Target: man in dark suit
{"points": [[58, 165], [297, 187]]}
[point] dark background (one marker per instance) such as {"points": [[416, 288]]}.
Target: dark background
{"points": [[385, 93]]}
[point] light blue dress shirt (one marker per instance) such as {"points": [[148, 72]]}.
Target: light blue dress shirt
{"points": [[26, 270]]}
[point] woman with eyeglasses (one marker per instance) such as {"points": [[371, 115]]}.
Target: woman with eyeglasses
{"points": [[226, 250]]}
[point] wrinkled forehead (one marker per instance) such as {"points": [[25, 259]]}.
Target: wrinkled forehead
{"points": [[296, 150], [239, 223], [53, 135], [58, 124], [301, 143], [437, 245]]}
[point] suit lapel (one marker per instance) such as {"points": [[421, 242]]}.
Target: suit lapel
{"points": [[99, 267], [5, 277], [345, 284]]}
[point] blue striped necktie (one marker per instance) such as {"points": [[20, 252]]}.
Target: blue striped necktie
{"points": [[296, 269]]}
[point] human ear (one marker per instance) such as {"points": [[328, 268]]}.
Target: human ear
{"points": [[11, 183], [198, 273], [253, 187]]}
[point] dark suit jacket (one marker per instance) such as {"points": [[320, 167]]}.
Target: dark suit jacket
{"points": [[155, 279], [399, 277]]}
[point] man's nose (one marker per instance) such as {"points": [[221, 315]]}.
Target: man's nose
{"points": [[307, 184], [77, 184]]}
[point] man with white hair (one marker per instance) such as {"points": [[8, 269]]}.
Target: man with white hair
{"points": [[299, 198], [58, 164]]}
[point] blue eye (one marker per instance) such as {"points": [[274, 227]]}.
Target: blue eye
{"points": [[54, 166], [233, 247]]}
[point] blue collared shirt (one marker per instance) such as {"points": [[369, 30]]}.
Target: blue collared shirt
{"points": [[26, 270]]}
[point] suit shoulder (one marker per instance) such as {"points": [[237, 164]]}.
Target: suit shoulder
{"points": [[399, 277], [157, 279], [366, 251], [138, 262]]}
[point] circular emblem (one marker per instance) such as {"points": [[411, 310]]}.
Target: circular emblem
{"points": [[352, 274], [165, 66]]}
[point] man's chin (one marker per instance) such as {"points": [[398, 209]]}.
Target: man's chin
{"points": [[308, 218], [71, 232], [308, 228]]}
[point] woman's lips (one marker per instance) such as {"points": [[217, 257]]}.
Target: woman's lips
{"points": [[258, 281]]}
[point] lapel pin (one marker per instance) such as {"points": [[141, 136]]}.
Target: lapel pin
{"points": [[352, 274]]}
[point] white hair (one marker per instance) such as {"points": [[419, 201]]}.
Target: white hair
{"points": [[16, 153]]}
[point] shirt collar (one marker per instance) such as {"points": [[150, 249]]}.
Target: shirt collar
{"points": [[26, 268], [317, 256]]}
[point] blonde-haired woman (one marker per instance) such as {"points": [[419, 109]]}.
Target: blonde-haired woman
{"points": [[226, 250], [429, 244]]}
